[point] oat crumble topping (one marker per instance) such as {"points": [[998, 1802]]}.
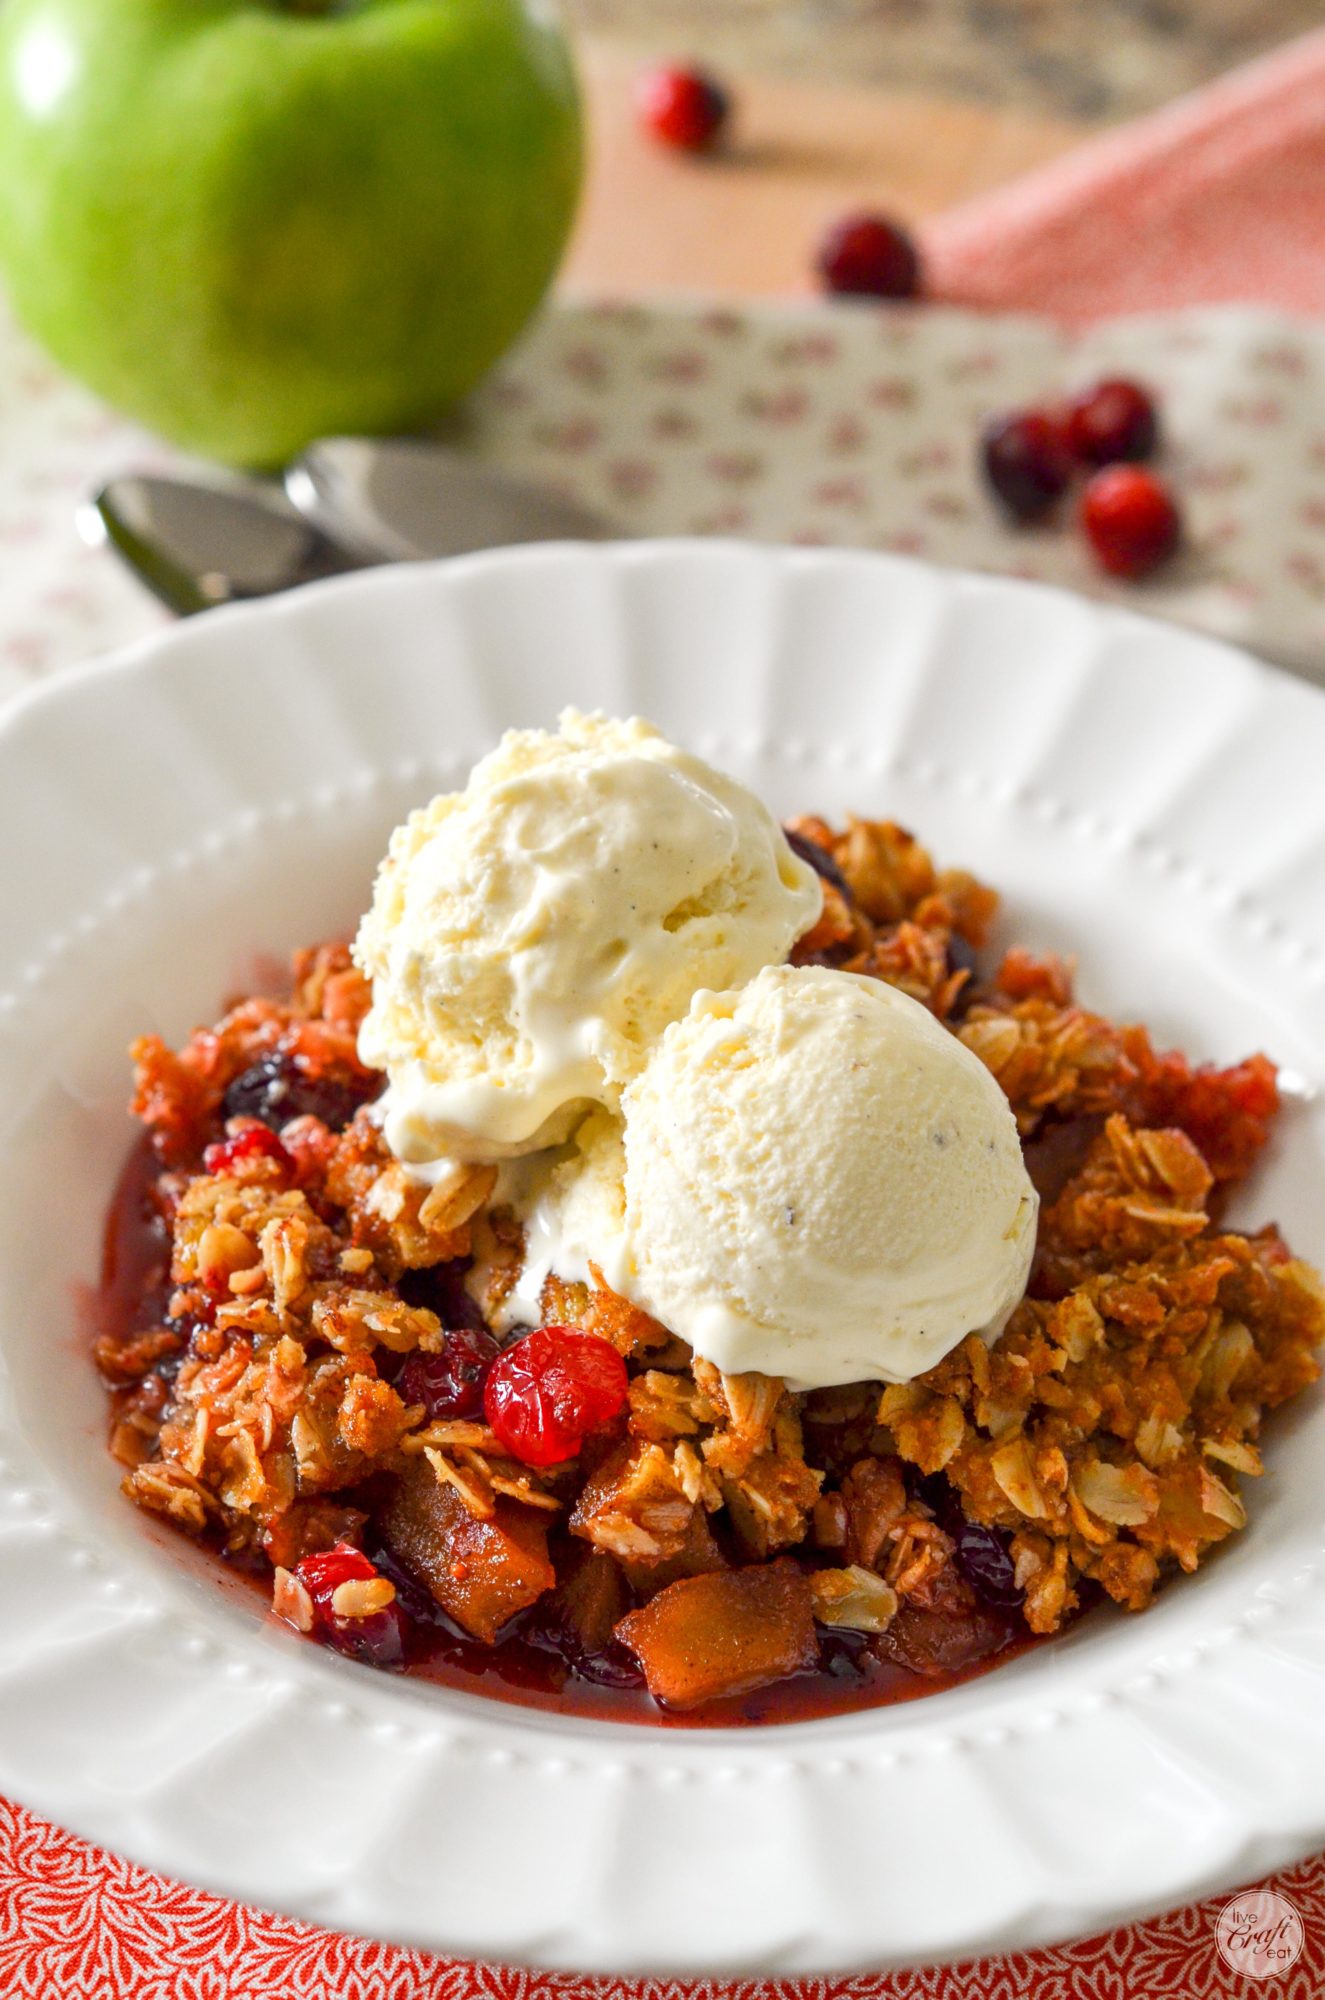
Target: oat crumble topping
{"points": [[271, 1388]]}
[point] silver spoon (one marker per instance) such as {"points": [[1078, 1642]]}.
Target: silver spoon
{"points": [[408, 499], [196, 546], [359, 501]]}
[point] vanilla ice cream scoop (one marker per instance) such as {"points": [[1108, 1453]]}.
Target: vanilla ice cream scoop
{"points": [[532, 936], [822, 1183]]}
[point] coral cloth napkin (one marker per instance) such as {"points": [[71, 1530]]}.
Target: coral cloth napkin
{"points": [[1219, 197]]}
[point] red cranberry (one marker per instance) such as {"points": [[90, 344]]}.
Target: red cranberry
{"points": [[440, 1288], [547, 1392], [278, 1087], [1113, 420], [379, 1639], [310, 1145], [962, 957], [323, 1574], [1027, 462], [682, 107], [1226, 1112], [1130, 519], [985, 1560], [255, 1142], [450, 1384], [867, 256], [376, 1641], [818, 858]]}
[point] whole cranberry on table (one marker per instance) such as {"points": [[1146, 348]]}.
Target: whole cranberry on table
{"points": [[1031, 456], [1131, 520], [549, 1391], [869, 256], [1027, 462], [683, 107], [1113, 420]]}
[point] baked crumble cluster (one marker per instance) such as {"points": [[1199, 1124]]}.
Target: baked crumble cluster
{"points": [[305, 1381]]}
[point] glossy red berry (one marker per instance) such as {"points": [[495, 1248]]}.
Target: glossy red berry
{"points": [[685, 108], [379, 1639], [1027, 462], [1131, 520], [450, 1384], [323, 1574], [549, 1390], [868, 256], [254, 1142], [1114, 420]]}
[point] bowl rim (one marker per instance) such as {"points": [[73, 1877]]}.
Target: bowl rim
{"points": [[801, 1772]]}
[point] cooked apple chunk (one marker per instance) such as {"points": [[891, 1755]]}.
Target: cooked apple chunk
{"points": [[724, 1633], [481, 1571]]}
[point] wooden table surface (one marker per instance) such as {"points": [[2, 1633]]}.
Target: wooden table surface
{"points": [[747, 220]]}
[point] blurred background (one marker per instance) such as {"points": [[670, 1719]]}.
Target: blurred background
{"points": [[915, 105], [1071, 59], [1057, 194]]}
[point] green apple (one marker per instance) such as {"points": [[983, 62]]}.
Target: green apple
{"points": [[249, 223]]}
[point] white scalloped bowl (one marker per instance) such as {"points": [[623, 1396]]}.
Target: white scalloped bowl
{"points": [[1146, 799]]}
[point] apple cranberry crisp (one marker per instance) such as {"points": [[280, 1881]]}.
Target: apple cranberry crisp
{"points": [[587, 1511]]}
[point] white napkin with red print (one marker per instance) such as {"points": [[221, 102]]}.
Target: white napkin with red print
{"points": [[821, 423]]}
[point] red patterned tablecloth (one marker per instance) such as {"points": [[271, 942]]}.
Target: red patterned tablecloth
{"points": [[78, 1924]]}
